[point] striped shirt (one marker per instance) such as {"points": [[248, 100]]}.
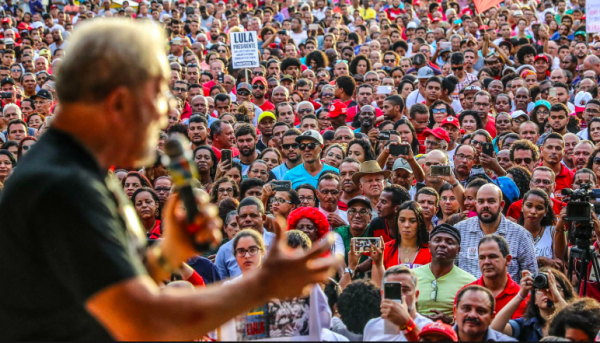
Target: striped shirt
{"points": [[468, 79], [519, 241]]}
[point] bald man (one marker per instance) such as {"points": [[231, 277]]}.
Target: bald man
{"points": [[340, 69], [592, 62], [558, 75], [490, 220]]}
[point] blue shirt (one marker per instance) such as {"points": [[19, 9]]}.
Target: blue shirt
{"points": [[280, 171], [298, 175], [227, 264], [528, 330]]}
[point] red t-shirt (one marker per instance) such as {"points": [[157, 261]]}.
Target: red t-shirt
{"points": [[354, 109], [392, 13], [510, 291], [156, 232], [421, 137], [234, 152], [267, 106], [390, 256], [564, 179], [592, 284], [491, 126], [516, 208]]}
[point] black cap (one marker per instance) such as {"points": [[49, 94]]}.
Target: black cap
{"points": [[446, 228], [7, 80], [44, 94]]}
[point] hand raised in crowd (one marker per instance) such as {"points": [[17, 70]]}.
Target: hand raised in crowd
{"points": [[222, 168], [526, 284], [396, 312]]}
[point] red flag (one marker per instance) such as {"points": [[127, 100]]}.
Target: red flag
{"points": [[484, 5]]}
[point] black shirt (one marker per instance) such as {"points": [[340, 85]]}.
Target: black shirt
{"points": [[63, 241]]}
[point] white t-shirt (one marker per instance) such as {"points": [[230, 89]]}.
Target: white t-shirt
{"points": [[543, 247], [374, 330], [298, 37], [413, 98]]}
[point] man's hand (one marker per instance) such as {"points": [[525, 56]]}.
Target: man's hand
{"points": [[373, 135], [353, 258], [335, 220], [446, 319], [395, 312]]}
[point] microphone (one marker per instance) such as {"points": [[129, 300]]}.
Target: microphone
{"points": [[183, 170]]}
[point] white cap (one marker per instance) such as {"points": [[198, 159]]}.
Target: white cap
{"points": [[411, 25], [581, 99], [519, 113]]}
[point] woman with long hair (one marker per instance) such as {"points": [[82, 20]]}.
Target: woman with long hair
{"points": [[25, 144], [593, 162], [540, 112], [521, 177], [470, 121], [134, 180], [542, 305], [307, 195], [272, 156], [360, 65], [537, 217], [334, 155], [411, 247], [206, 161], [593, 131], [405, 88], [317, 59], [223, 188], [439, 111], [7, 164], [146, 204], [361, 150], [408, 134], [328, 41]]}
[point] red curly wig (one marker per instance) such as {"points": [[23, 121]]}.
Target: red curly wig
{"points": [[309, 213]]}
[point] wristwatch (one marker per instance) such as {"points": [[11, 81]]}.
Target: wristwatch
{"points": [[349, 271]]}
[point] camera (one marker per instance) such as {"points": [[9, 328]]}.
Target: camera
{"points": [[579, 211], [540, 280]]}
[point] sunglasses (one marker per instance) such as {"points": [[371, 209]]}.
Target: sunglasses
{"points": [[305, 110], [310, 146], [257, 86], [596, 160], [290, 146], [457, 68], [243, 93], [192, 65], [521, 160], [179, 89], [390, 61], [327, 95], [438, 110], [258, 73]]}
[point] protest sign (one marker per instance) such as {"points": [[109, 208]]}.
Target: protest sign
{"points": [[244, 49]]}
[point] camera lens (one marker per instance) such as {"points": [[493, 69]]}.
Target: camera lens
{"points": [[540, 281]]}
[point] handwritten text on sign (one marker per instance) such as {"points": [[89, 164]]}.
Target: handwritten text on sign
{"points": [[592, 18], [244, 49]]}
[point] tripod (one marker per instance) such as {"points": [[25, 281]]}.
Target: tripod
{"points": [[586, 254]]}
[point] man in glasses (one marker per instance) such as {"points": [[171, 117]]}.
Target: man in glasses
{"points": [[457, 61], [304, 108], [290, 151], [440, 280], [525, 154], [43, 102], [311, 145], [259, 86], [437, 138]]}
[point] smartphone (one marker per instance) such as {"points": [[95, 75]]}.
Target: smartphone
{"points": [[440, 171], [384, 89], [488, 149], [396, 150], [384, 136], [221, 77], [392, 291], [363, 244], [226, 156], [278, 185], [552, 92], [313, 27], [445, 45], [6, 95]]}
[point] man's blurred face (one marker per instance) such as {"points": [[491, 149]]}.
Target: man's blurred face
{"points": [[581, 153]]}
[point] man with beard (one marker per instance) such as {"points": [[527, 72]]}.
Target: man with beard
{"points": [[393, 107], [474, 312], [525, 154], [366, 121], [482, 104], [401, 314], [581, 51], [419, 118], [290, 151], [348, 168], [552, 152], [266, 120], [522, 99], [387, 212], [464, 158], [490, 220], [571, 141], [311, 146], [245, 137], [259, 86], [581, 153], [496, 65], [328, 193], [198, 131], [494, 258], [558, 120], [441, 279], [364, 96]]}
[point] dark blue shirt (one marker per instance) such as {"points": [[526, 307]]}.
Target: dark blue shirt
{"points": [[526, 330], [205, 268]]}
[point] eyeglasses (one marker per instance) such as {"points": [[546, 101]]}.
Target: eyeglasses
{"points": [[521, 160], [258, 73], [327, 95], [15, 70], [434, 286], [39, 102], [464, 157], [257, 86], [222, 51], [306, 199], [241, 252], [281, 201], [192, 65], [481, 104], [310, 146], [390, 61], [438, 110], [179, 89], [305, 110], [225, 190], [475, 143], [162, 189], [432, 143], [544, 182], [352, 212], [288, 146], [332, 192]]}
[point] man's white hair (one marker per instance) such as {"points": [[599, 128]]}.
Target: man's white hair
{"points": [[9, 106]]}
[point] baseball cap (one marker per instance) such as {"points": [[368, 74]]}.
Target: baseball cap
{"points": [[543, 103], [244, 85], [401, 163], [472, 89], [581, 99], [310, 134], [411, 25], [286, 77], [425, 73], [519, 113], [508, 187], [259, 79], [540, 56], [438, 133], [44, 94], [23, 26], [450, 120], [483, 27], [9, 41], [7, 80], [360, 198], [337, 108], [441, 329], [266, 114], [5, 20]]}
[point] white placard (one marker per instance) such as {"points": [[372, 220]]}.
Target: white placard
{"points": [[592, 16], [244, 49]]}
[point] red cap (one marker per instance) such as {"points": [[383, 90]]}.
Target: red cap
{"points": [[337, 108], [53, 6], [438, 133], [6, 20], [259, 79], [436, 19], [23, 26], [441, 329], [542, 57], [483, 27], [450, 120]]}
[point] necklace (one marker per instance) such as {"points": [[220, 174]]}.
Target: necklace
{"points": [[537, 238], [407, 258]]}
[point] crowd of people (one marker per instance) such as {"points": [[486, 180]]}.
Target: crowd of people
{"points": [[446, 134]]}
